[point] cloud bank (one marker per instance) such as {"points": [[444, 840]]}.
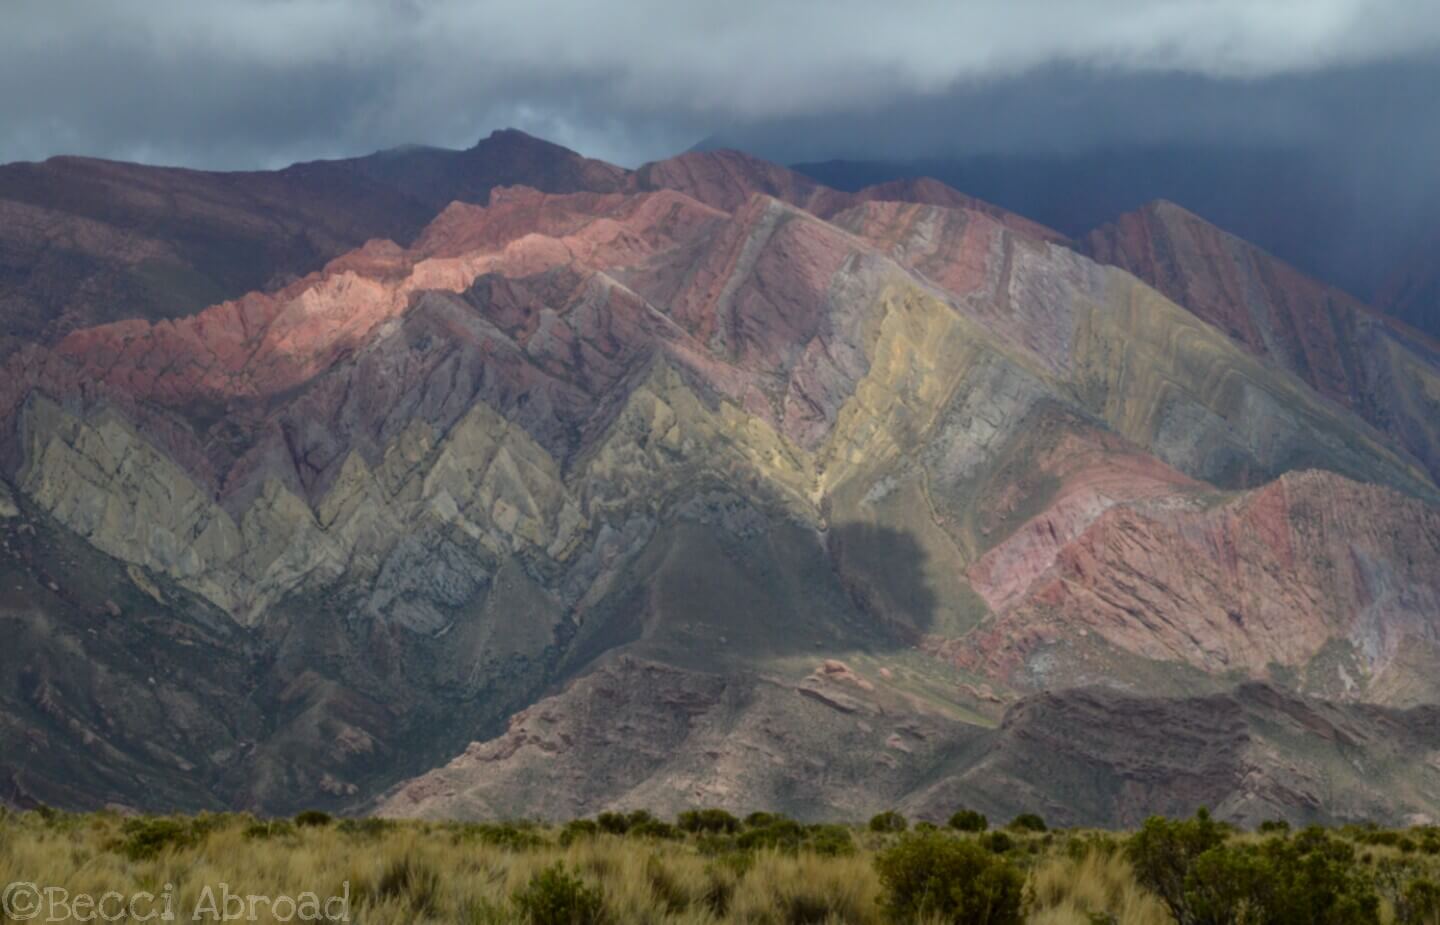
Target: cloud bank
{"points": [[236, 83]]}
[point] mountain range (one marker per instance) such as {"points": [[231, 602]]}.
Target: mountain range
{"points": [[508, 482]]}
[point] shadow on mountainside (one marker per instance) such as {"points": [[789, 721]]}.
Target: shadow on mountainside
{"points": [[705, 598], [884, 572]]}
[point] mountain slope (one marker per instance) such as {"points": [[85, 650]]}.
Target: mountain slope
{"points": [[1411, 291], [1388, 373], [701, 489], [86, 241]]}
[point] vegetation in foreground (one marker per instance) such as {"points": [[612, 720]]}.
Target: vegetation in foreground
{"points": [[708, 866]]}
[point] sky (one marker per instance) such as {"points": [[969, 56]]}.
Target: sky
{"points": [[260, 83]]}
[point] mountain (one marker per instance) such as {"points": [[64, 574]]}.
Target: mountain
{"points": [[86, 241], [1411, 291], [1386, 372], [1294, 201], [704, 483]]}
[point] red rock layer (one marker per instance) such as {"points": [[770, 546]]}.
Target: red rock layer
{"points": [[1268, 578]]}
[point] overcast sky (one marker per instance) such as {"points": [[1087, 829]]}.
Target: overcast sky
{"points": [[241, 83]]}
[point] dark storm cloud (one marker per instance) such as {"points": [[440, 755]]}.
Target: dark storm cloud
{"points": [[260, 82]]}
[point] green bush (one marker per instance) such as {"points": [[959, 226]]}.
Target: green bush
{"points": [[273, 828], [1027, 822], [653, 828], [761, 820], [830, 841], [500, 834], [933, 875], [312, 817], [577, 829], [968, 820], [1164, 851], [997, 842], [148, 836], [888, 821], [640, 817], [711, 821], [365, 828], [1419, 904], [554, 896], [780, 835], [1310, 879], [613, 823], [1273, 827], [1281, 882]]}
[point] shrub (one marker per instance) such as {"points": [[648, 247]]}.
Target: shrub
{"points": [[781, 835], [1274, 827], [500, 834], [365, 828], [1092, 844], [761, 820], [577, 829], [997, 842], [638, 817], [1311, 879], [312, 817], [1164, 850], [933, 875], [273, 828], [830, 841], [968, 820], [1419, 904], [888, 821], [147, 837], [712, 821], [613, 823], [1281, 883], [653, 828], [1027, 822], [554, 896]]}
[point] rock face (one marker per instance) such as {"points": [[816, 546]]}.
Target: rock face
{"points": [[667, 740], [1385, 372], [1093, 756], [696, 484], [1268, 581]]}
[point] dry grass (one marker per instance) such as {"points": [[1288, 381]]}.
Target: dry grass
{"points": [[417, 872], [1070, 891]]}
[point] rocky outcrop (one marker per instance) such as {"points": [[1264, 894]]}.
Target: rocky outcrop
{"points": [[1097, 757], [1311, 572], [667, 740]]}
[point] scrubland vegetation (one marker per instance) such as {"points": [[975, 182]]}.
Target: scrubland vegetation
{"points": [[709, 866]]}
